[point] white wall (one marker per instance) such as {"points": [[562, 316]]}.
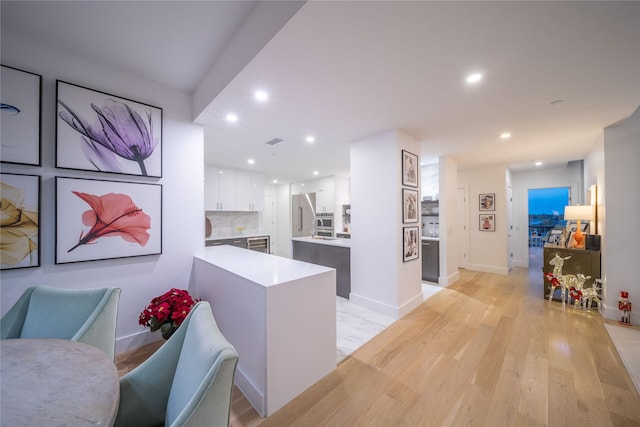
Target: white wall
{"points": [[564, 176], [487, 250], [140, 278], [621, 204]]}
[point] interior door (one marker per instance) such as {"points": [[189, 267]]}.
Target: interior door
{"points": [[462, 226]]}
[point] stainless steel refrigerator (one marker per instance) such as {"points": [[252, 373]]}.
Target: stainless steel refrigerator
{"points": [[303, 214]]}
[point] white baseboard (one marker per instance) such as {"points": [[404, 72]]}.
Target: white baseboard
{"points": [[251, 392], [489, 269], [386, 309], [134, 341]]}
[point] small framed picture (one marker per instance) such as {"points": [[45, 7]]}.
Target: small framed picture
{"points": [[487, 202], [409, 169], [487, 222], [410, 243], [409, 205], [556, 238]]}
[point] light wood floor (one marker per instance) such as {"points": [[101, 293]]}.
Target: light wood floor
{"points": [[486, 351]]}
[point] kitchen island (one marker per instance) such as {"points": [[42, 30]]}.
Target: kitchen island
{"points": [[278, 313], [330, 252]]}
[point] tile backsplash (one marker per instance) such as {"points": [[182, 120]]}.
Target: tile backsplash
{"points": [[229, 224]]}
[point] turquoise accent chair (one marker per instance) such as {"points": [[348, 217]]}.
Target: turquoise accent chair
{"points": [[84, 315], [186, 382]]}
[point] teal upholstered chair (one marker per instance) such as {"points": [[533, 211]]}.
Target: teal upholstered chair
{"points": [[186, 382], [85, 315]]}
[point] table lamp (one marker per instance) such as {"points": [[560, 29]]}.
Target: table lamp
{"points": [[578, 213]]}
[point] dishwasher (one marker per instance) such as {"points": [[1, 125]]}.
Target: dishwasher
{"points": [[260, 244]]}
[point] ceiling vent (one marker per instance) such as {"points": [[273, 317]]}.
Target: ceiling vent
{"points": [[274, 141]]}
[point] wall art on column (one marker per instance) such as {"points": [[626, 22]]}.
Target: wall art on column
{"points": [[20, 125], [409, 169], [487, 222], [409, 205], [97, 219], [410, 243], [20, 221], [96, 131], [487, 202]]}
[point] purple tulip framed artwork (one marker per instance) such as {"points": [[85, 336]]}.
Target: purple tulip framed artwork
{"points": [[96, 131], [97, 219], [20, 100], [20, 221]]}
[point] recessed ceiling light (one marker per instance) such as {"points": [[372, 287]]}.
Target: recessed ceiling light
{"points": [[251, 161], [275, 181], [310, 139], [505, 135], [315, 172], [538, 163], [474, 78], [261, 95], [231, 118]]}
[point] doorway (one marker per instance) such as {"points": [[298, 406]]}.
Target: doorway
{"points": [[546, 212]]}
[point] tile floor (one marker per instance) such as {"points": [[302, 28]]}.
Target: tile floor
{"points": [[357, 324]]}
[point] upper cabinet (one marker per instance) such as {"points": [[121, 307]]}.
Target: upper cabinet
{"points": [[232, 190], [219, 189], [325, 200], [249, 191]]}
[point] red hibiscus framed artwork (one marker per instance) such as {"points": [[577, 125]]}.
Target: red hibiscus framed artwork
{"points": [[99, 132], [98, 219]]}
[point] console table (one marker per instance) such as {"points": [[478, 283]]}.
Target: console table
{"points": [[582, 261]]}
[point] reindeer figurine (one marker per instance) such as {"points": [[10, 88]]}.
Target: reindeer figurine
{"points": [[560, 280], [592, 294], [577, 290]]}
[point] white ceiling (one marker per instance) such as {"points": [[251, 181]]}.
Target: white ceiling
{"points": [[346, 70]]}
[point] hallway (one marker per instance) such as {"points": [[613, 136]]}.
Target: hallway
{"points": [[488, 350]]}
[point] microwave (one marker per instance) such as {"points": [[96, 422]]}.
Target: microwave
{"points": [[324, 222]]}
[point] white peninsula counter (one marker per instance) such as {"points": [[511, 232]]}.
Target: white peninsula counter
{"points": [[278, 313]]}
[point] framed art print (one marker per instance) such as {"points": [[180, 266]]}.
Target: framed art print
{"points": [[487, 222], [409, 169], [409, 205], [20, 124], [410, 243], [20, 225], [96, 131], [97, 220], [487, 202]]}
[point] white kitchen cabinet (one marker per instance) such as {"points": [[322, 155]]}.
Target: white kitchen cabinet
{"points": [[219, 189], [249, 191], [325, 200]]}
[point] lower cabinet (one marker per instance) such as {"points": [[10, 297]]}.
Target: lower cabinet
{"points": [[430, 260], [240, 242], [329, 256]]}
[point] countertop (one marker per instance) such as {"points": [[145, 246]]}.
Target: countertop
{"points": [[433, 239], [333, 241], [263, 269], [236, 236]]}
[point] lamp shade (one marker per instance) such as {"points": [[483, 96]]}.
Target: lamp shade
{"points": [[579, 212]]}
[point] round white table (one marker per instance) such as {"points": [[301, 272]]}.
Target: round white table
{"points": [[51, 382]]}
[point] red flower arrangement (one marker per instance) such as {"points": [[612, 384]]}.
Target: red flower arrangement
{"points": [[167, 312]]}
